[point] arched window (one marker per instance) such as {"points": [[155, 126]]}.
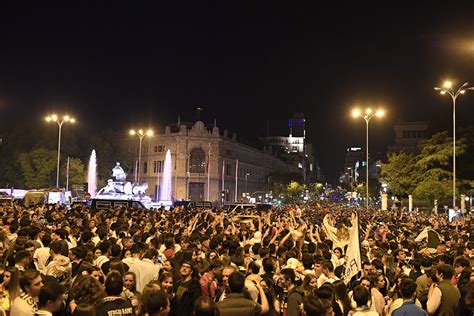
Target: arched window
{"points": [[145, 167], [197, 161]]}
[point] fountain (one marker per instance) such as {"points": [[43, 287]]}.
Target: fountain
{"points": [[92, 174], [165, 193], [118, 188]]}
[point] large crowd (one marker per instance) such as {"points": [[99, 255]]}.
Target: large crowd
{"points": [[286, 261]]}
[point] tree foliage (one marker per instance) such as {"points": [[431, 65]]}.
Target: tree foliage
{"points": [[38, 167], [426, 175], [76, 171], [399, 173]]}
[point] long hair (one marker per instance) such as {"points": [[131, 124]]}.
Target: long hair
{"points": [[13, 286], [340, 289], [306, 287]]}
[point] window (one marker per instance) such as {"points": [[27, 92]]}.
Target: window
{"points": [[197, 161], [158, 148], [228, 170], [145, 167], [157, 166], [228, 152]]}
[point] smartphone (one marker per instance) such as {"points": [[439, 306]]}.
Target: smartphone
{"points": [[159, 259]]}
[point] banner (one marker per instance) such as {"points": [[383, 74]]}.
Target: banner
{"points": [[353, 263]]}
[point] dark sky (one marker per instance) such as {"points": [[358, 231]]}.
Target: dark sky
{"points": [[128, 64]]}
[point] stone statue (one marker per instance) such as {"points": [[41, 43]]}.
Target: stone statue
{"points": [[117, 173]]}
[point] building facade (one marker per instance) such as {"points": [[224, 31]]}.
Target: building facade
{"points": [[205, 164], [294, 148], [408, 135]]}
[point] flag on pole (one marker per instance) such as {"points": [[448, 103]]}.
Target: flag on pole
{"points": [[236, 180], [353, 263], [223, 174]]}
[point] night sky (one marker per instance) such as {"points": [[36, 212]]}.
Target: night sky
{"points": [[130, 65]]}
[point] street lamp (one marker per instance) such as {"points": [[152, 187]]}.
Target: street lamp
{"points": [[60, 122], [140, 133], [367, 115], [448, 89]]}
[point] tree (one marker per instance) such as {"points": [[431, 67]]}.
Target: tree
{"points": [[294, 192], [433, 163], [76, 171], [427, 175], [38, 167], [434, 184], [399, 173]]}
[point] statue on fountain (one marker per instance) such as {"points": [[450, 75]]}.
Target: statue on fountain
{"points": [[117, 173], [118, 187]]}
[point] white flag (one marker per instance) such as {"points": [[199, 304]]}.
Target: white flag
{"points": [[353, 263]]}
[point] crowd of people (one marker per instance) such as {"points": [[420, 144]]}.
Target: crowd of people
{"points": [[290, 260]]}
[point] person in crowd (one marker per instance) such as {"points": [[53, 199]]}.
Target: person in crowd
{"points": [[205, 306], [115, 262], [327, 269], [84, 310], [342, 297], [59, 266], [377, 282], [22, 260], [114, 303], [51, 298], [408, 292], [146, 269], [26, 304], [292, 296], [157, 304], [166, 282], [361, 296], [76, 256], [59, 235], [10, 288], [208, 280], [223, 289], [314, 306], [236, 304], [327, 292], [130, 288], [310, 284], [187, 289], [150, 288], [86, 290], [443, 297]]}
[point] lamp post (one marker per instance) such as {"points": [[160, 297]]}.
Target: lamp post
{"points": [[367, 115], [60, 122], [140, 133], [448, 89]]}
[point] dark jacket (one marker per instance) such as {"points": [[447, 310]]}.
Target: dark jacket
{"points": [[237, 304], [190, 293], [114, 306]]}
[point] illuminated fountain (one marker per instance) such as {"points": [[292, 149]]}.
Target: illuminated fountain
{"points": [[118, 188], [165, 193], [92, 175]]}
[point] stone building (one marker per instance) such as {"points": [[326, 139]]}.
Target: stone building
{"points": [[408, 136], [206, 165]]}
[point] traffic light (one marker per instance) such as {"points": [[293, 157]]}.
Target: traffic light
{"points": [[85, 186]]}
